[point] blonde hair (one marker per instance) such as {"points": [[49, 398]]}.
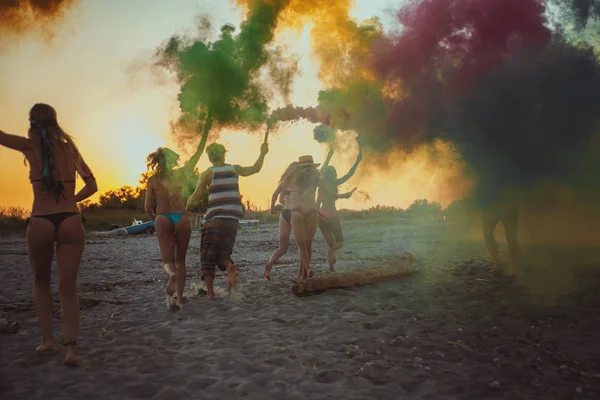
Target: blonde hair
{"points": [[157, 161]]}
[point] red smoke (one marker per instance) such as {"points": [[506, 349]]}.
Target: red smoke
{"points": [[291, 113], [464, 38]]}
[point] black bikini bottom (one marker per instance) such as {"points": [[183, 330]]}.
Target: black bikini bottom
{"points": [[286, 214], [56, 219]]}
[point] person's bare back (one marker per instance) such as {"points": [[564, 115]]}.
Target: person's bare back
{"points": [[168, 193]]}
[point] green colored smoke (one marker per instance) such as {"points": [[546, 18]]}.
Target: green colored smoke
{"points": [[219, 80]]}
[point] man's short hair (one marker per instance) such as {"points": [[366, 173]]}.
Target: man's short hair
{"points": [[216, 152]]}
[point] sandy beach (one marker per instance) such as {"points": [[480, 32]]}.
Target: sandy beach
{"points": [[451, 330]]}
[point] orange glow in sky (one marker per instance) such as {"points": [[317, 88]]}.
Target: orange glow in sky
{"points": [[97, 74]]}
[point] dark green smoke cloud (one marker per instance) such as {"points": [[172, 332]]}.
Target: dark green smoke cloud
{"points": [[220, 80]]}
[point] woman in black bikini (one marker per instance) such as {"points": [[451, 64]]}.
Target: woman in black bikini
{"points": [[302, 183], [173, 226], [329, 221], [285, 222], [54, 161]]}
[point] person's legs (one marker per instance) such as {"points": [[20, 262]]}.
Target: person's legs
{"points": [[40, 245], [490, 220], [327, 233], [284, 241], [228, 230], [209, 256], [69, 248], [183, 232], [510, 221], [338, 233], [312, 222], [167, 244], [299, 227]]}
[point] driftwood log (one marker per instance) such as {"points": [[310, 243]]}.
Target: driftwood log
{"points": [[400, 266]]}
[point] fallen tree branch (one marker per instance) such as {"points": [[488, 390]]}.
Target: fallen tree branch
{"points": [[399, 267]]}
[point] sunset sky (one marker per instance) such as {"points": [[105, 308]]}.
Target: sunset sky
{"points": [[96, 73]]}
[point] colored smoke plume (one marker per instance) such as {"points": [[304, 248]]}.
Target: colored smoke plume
{"points": [[219, 80], [324, 134], [19, 17]]}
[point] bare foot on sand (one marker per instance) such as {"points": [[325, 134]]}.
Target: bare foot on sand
{"points": [[210, 295], [231, 276], [45, 347], [172, 304], [172, 282], [496, 267], [183, 299], [268, 272], [308, 273], [71, 356], [331, 260]]}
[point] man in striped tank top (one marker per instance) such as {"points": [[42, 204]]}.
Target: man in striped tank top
{"points": [[223, 212]]}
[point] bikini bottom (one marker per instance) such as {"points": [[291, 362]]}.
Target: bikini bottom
{"points": [[174, 217], [56, 219]]}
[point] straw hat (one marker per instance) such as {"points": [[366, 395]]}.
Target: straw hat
{"points": [[305, 161]]}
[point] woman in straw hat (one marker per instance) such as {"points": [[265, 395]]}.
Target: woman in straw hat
{"points": [[285, 219], [302, 183]]}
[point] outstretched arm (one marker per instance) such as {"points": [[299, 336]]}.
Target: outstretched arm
{"points": [[346, 195], [191, 164], [14, 142], [344, 178], [254, 169], [149, 196], [196, 197]]}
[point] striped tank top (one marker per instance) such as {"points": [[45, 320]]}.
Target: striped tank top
{"points": [[224, 200]]}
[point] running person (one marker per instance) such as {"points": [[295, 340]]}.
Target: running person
{"points": [[329, 223], [285, 219], [224, 210], [173, 226], [285, 223], [302, 183], [499, 205], [54, 161]]}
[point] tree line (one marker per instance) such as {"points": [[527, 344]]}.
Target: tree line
{"points": [[131, 198]]}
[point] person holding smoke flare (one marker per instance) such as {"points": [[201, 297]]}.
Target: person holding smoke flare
{"points": [[223, 212], [329, 223], [173, 226], [302, 183], [285, 219], [54, 161]]}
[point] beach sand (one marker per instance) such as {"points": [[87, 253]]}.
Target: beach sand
{"points": [[451, 330]]}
